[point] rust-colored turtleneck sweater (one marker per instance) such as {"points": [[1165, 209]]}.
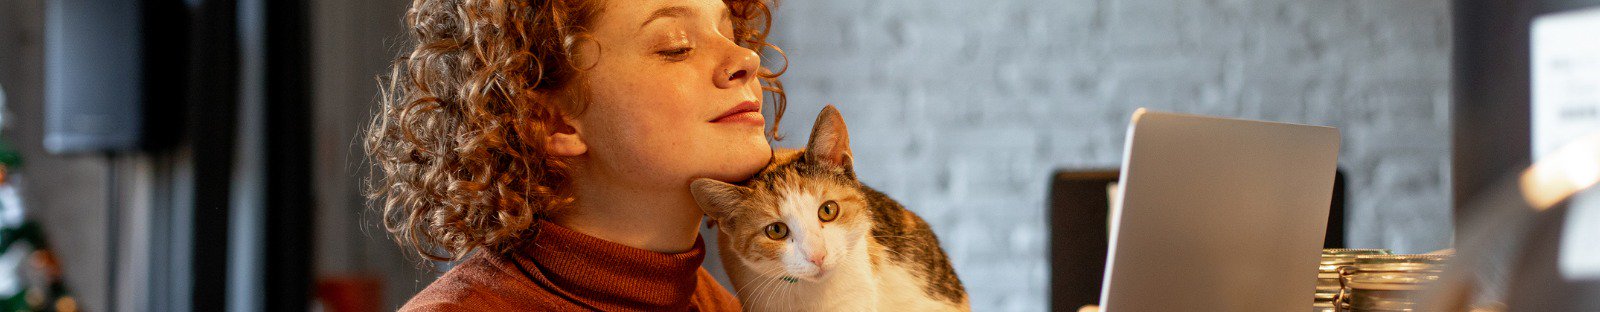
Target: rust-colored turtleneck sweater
{"points": [[563, 270]]}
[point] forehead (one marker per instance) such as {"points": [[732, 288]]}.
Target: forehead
{"points": [[620, 17], [798, 200], [792, 188]]}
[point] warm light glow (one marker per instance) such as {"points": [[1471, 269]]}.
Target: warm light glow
{"points": [[66, 304], [1571, 168]]}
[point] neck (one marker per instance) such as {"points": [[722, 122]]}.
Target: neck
{"points": [[664, 220]]}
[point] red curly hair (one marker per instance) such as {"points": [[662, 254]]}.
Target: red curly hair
{"points": [[457, 144]]}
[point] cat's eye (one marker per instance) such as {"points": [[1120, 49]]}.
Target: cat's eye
{"points": [[777, 230], [828, 211]]}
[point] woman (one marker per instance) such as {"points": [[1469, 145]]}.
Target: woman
{"points": [[549, 145]]}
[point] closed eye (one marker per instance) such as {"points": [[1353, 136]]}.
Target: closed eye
{"points": [[675, 53]]}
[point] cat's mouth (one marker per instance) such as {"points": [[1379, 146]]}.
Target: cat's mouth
{"points": [[812, 276]]}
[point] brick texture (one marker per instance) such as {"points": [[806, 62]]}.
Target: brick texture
{"points": [[962, 109]]}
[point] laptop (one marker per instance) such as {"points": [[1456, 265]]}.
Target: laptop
{"points": [[1218, 214]]}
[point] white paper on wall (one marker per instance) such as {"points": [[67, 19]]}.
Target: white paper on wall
{"points": [[1566, 106]]}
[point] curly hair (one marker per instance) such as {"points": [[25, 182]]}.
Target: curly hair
{"points": [[457, 144]]}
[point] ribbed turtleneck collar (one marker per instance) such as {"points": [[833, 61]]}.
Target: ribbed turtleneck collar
{"points": [[609, 276]]}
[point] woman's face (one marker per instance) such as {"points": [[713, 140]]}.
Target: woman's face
{"points": [[670, 96]]}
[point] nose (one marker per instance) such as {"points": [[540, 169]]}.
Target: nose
{"points": [[817, 257], [738, 68]]}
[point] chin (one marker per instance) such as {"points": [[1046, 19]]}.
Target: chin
{"points": [[737, 163], [750, 160]]}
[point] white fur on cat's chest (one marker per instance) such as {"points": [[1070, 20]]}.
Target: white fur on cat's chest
{"points": [[911, 297]]}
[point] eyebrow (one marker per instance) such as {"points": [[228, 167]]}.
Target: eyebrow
{"points": [[678, 11], [672, 11]]}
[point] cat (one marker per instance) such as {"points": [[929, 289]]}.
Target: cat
{"points": [[805, 235]]}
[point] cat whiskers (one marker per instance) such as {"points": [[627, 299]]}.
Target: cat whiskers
{"points": [[759, 276], [768, 285], [774, 288], [765, 277], [777, 291], [766, 290]]}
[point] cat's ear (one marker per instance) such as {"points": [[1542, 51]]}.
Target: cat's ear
{"points": [[717, 199], [830, 141]]}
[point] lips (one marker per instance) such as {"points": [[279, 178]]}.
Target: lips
{"points": [[747, 112]]}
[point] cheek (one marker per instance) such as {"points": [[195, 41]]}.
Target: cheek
{"points": [[843, 236], [731, 156], [651, 126], [763, 252], [851, 229], [632, 107], [614, 128], [636, 127]]}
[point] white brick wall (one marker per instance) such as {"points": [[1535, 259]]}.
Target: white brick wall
{"points": [[962, 109]]}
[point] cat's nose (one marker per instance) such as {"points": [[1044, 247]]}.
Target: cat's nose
{"points": [[816, 258]]}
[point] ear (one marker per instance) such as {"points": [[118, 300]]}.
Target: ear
{"points": [[564, 140], [717, 199], [830, 142]]}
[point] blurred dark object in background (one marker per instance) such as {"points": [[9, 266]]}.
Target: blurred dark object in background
{"points": [[113, 73], [93, 68], [177, 93]]}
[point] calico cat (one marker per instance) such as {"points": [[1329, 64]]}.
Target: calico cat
{"points": [[805, 235]]}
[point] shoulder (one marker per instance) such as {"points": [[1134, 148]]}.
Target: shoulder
{"points": [[432, 306], [711, 296], [463, 284], [480, 283]]}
